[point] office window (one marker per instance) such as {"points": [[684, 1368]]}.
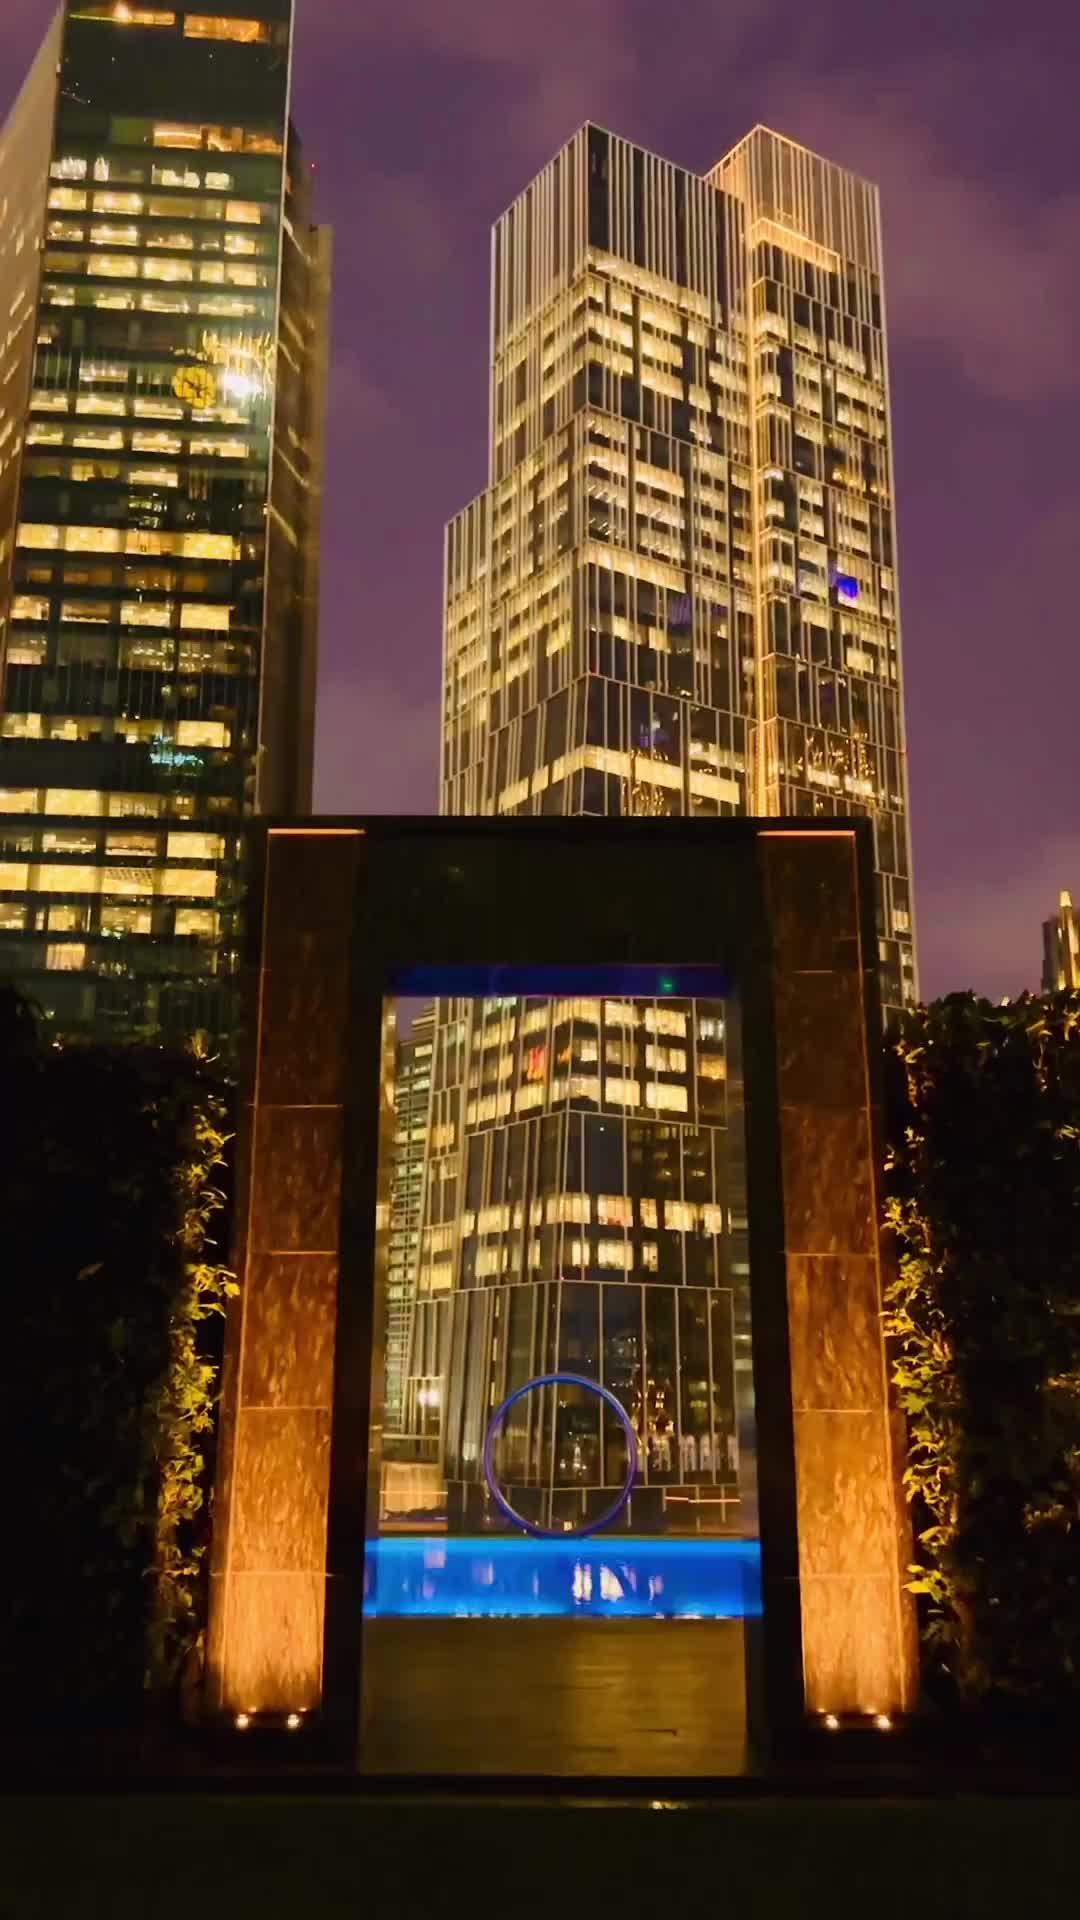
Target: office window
{"points": [[159, 442], [671, 1099], [86, 612], [164, 303], [219, 449], [123, 806], [111, 236], [70, 957], [70, 840], [118, 202], [74, 802], [130, 882], [209, 546], [168, 133], [212, 26], [665, 1020], [60, 879], [188, 883], [119, 13], [154, 478], [146, 613], [614, 1253], [26, 650], [203, 922], [170, 270], [209, 619], [31, 534], [131, 846], [195, 846], [93, 539], [622, 1093], [666, 1059], [180, 242], [202, 733]]}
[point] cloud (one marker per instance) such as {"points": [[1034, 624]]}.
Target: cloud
{"points": [[553, 66], [970, 272], [407, 219], [986, 932], [23, 18], [360, 405], [377, 747], [23, 26], [550, 66]]}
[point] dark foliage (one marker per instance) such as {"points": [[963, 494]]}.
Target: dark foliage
{"points": [[107, 1194], [984, 1198]]}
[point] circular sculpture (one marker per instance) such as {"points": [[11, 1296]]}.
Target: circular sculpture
{"points": [[495, 1427]]}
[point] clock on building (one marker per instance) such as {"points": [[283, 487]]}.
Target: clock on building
{"points": [[195, 386]]}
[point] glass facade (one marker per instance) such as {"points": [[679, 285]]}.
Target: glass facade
{"points": [[594, 1223], [412, 1082], [162, 529], [677, 596], [829, 719]]}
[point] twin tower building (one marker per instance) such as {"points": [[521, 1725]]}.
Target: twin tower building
{"points": [[676, 596]]}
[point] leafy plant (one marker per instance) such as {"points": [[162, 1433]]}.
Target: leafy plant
{"points": [[183, 1413], [983, 1198], [111, 1190]]}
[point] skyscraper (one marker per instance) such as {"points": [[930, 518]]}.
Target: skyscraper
{"points": [[161, 419], [1061, 948], [677, 595], [412, 1100]]}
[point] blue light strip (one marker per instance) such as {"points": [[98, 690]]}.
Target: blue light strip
{"points": [[498, 1576], [635, 982]]}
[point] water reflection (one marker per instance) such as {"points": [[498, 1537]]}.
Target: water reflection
{"points": [[511, 1578]]}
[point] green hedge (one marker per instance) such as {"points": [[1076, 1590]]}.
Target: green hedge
{"points": [[983, 1190], [110, 1159]]}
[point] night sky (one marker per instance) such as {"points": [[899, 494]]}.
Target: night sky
{"points": [[426, 117]]}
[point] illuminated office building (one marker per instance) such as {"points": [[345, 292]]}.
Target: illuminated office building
{"points": [[1061, 948], [165, 298], [412, 1100], [677, 596]]}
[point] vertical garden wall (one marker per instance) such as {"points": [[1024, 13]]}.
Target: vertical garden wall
{"points": [[984, 1201], [112, 1196]]}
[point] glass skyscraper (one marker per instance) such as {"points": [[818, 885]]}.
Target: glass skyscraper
{"points": [[677, 595], [161, 425], [412, 1083]]}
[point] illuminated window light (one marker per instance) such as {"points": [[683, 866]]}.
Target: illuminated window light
{"points": [[204, 26]]}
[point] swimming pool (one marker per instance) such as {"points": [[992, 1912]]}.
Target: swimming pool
{"points": [[448, 1577]]}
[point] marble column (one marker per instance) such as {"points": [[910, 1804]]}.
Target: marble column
{"points": [[270, 1565], [857, 1623]]}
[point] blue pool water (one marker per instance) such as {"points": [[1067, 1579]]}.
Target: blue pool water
{"points": [[448, 1577]]}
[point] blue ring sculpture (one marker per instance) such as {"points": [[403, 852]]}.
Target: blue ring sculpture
{"points": [[495, 1426]]}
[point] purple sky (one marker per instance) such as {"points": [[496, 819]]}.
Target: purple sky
{"points": [[426, 117]]}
